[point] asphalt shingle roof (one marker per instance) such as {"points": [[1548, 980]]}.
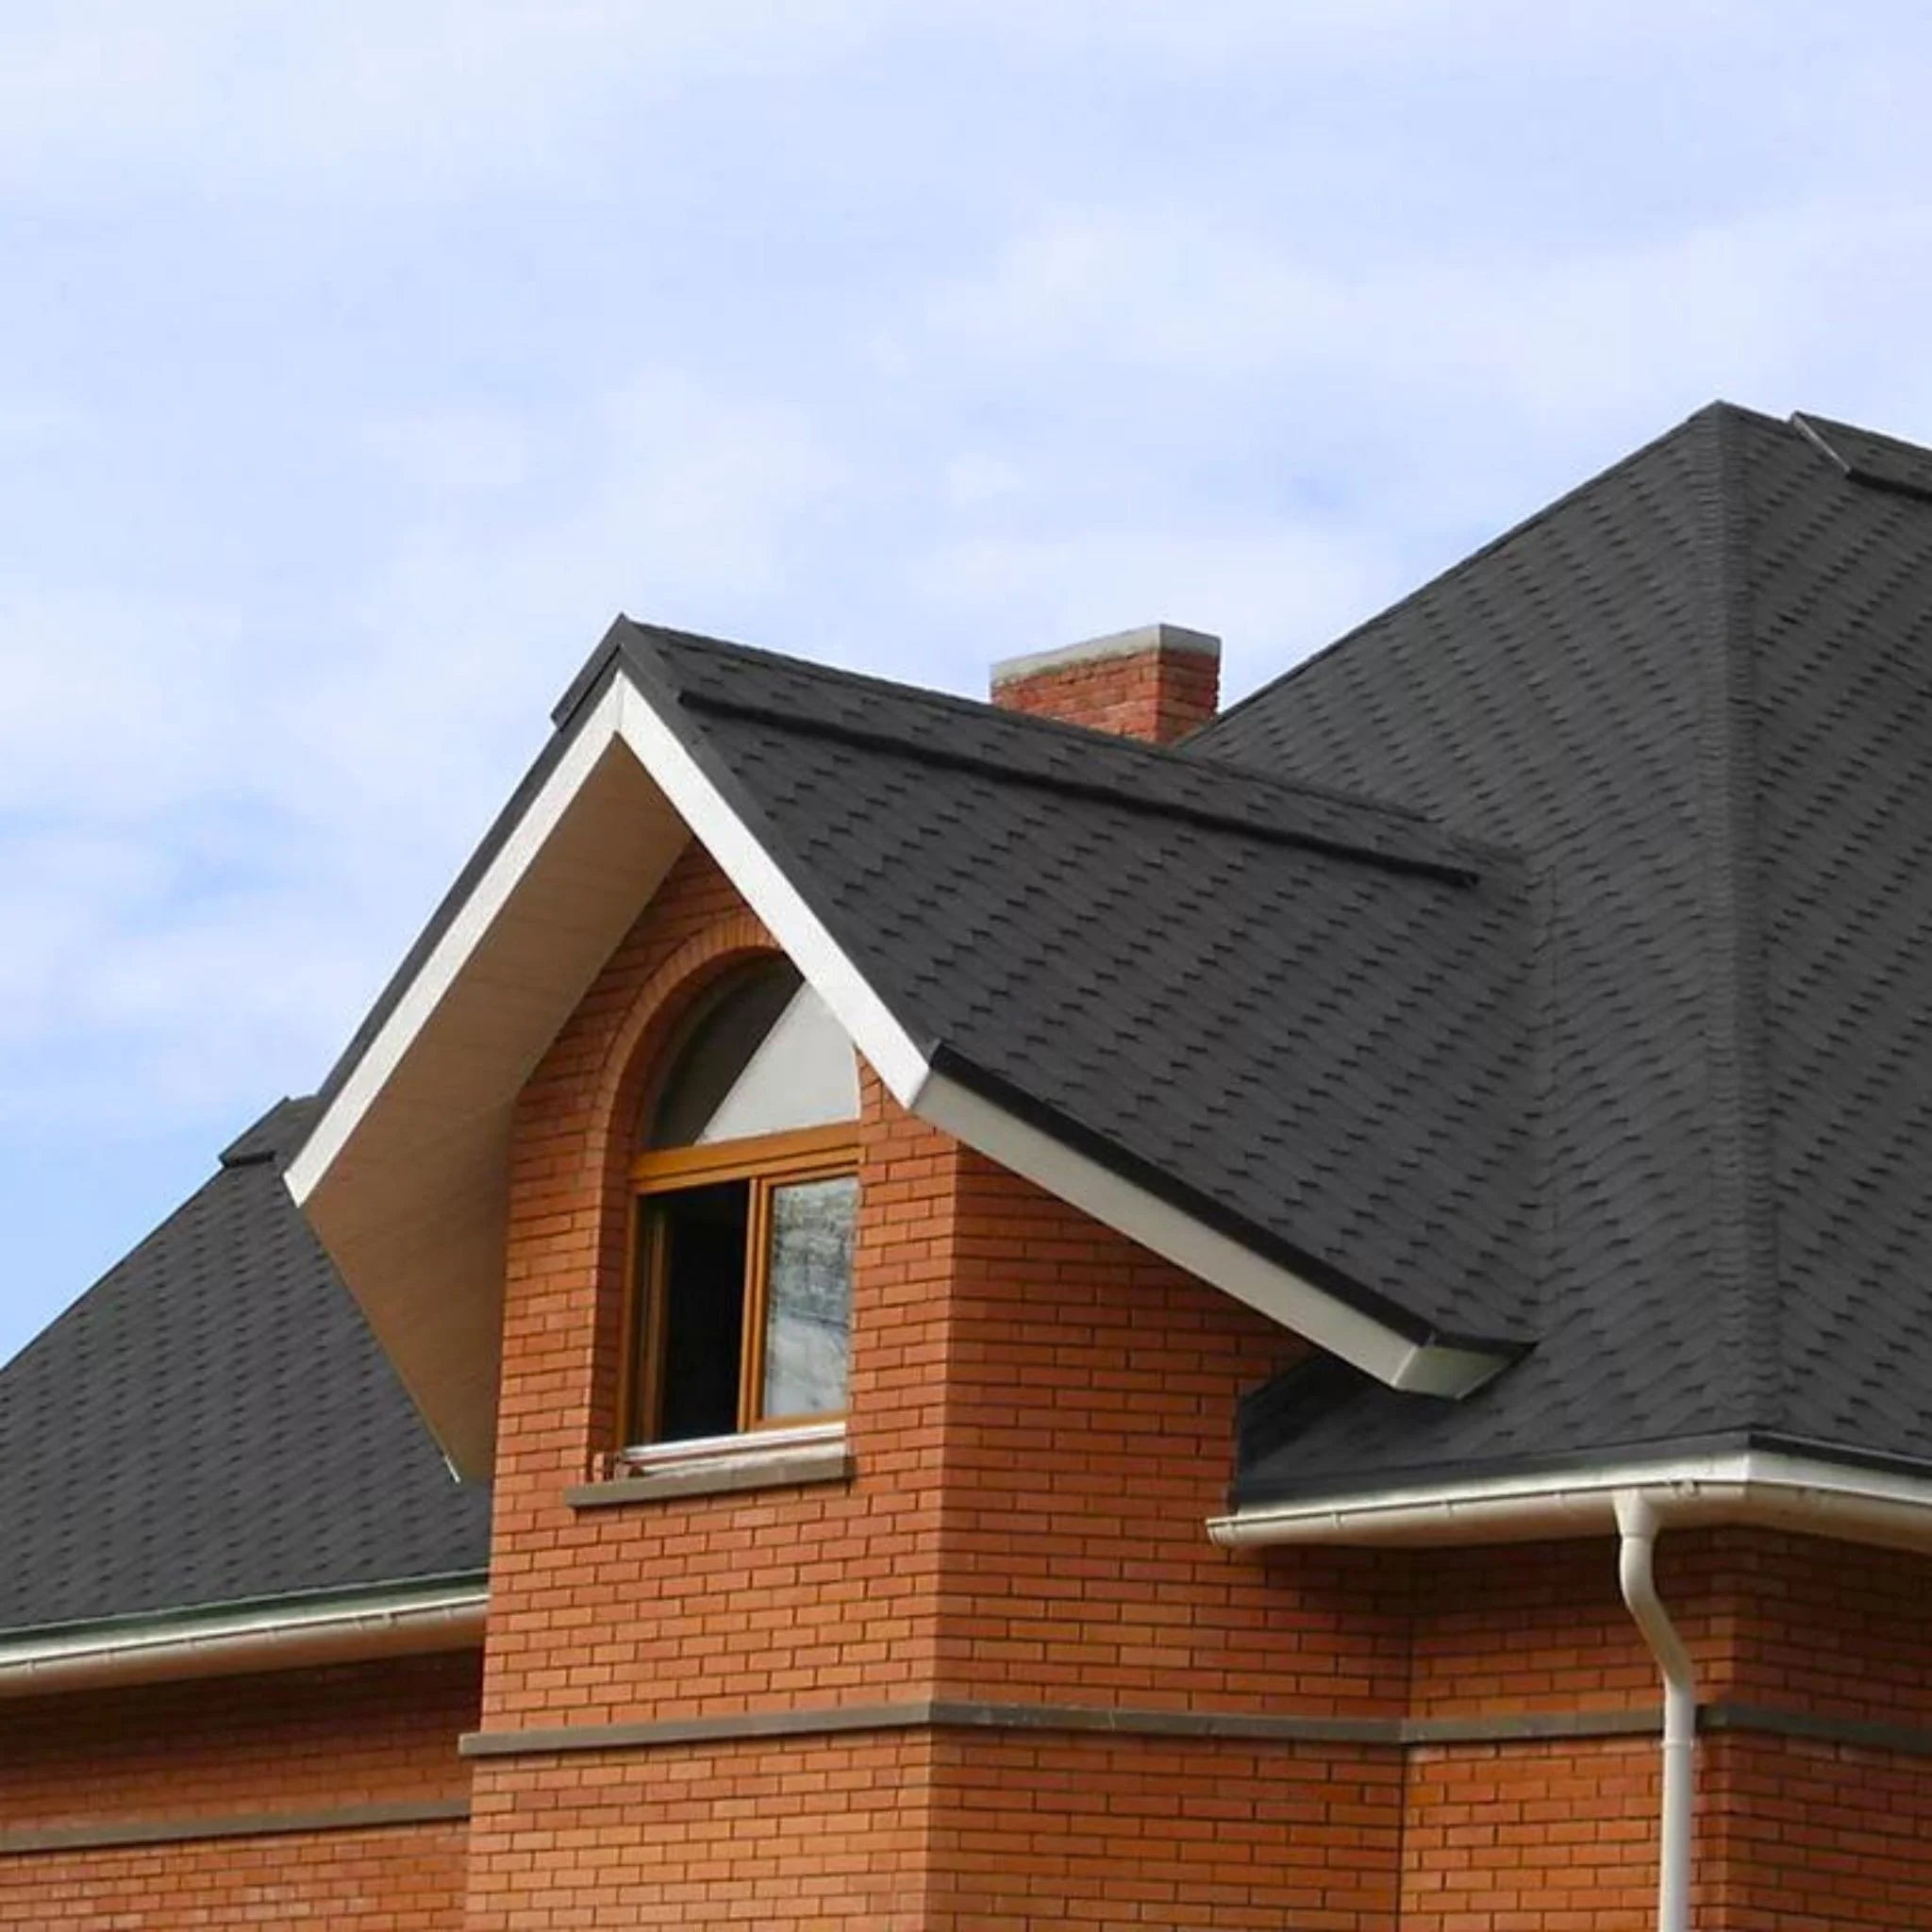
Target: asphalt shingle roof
{"points": [[1697, 694], [1541, 963], [1303, 1016], [212, 1423]]}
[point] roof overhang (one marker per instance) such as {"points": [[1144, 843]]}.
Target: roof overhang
{"points": [[404, 1176], [1764, 1488], [397, 1621]]}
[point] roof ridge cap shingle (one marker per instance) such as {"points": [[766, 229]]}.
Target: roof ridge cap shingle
{"points": [[274, 1135], [1743, 1228], [1433, 850], [1179, 754], [1120, 792]]}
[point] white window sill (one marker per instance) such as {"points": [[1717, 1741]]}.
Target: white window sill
{"points": [[720, 1465]]}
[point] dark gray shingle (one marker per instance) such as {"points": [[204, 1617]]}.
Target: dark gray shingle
{"points": [[1697, 694], [1301, 1016], [212, 1423]]}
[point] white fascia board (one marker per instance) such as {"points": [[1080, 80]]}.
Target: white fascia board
{"points": [[460, 939], [1763, 1488], [697, 801], [1280, 1294], [621, 712], [389, 1622]]}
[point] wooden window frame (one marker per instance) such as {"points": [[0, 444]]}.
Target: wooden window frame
{"points": [[768, 1162]]}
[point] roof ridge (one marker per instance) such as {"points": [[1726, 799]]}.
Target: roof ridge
{"points": [[1116, 792], [1716, 411], [1743, 1227], [1086, 736], [1816, 428]]}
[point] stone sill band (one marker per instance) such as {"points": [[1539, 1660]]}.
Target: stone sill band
{"points": [[1388, 1733], [1524, 1728]]}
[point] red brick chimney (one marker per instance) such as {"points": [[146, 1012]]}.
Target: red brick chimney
{"points": [[1159, 682]]}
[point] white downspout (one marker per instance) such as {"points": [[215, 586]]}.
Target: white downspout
{"points": [[1636, 1521]]}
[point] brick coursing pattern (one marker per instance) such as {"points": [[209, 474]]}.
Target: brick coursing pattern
{"points": [[291, 1741], [398, 1879], [1040, 1424], [1157, 695]]}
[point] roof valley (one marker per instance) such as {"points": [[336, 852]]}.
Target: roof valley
{"points": [[1743, 1221]]}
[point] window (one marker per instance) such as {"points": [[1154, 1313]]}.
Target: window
{"points": [[746, 1200]]}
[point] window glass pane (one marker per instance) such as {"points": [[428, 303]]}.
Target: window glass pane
{"points": [[808, 1306], [695, 1247], [717, 1050], [804, 1075]]}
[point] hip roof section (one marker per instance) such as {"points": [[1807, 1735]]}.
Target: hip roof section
{"points": [[1697, 692], [213, 1424]]}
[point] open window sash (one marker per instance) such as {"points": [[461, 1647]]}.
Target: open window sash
{"points": [[796, 1313]]}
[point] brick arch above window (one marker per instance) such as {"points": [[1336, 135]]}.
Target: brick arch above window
{"points": [[633, 1056], [646, 991], [798, 1183]]}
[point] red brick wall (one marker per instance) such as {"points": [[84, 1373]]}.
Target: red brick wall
{"points": [[1091, 1391], [711, 1606], [293, 1741], [1541, 1627], [805, 1832], [397, 1880], [1550, 1837], [1160, 695], [1041, 1422], [1792, 1835], [724, 1603], [1534, 1836], [1801, 1836], [300, 1742], [1037, 1832], [1040, 1418], [1824, 1626]]}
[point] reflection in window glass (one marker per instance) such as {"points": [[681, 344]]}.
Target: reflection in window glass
{"points": [[808, 1305]]}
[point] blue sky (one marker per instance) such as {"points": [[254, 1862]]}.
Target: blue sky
{"points": [[358, 363]]}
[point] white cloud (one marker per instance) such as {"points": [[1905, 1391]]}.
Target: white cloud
{"points": [[363, 359], [1578, 332], [219, 827], [114, 703], [403, 97]]}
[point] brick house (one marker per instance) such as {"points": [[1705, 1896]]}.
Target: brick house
{"points": [[1311, 1318]]}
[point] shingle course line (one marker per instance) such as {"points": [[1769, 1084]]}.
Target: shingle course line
{"points": [[1095, 790], [1189, 755]]}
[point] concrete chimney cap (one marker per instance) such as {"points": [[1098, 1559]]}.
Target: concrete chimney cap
{"points": [[1148, 638]]}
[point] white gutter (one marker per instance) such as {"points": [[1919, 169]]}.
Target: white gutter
{"points": [[263, 1638], [1637, 1522], [1765, 1488]]}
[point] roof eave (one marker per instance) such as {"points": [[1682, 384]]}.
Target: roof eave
{"points": [[407, 1619], [1766, 1488]]}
